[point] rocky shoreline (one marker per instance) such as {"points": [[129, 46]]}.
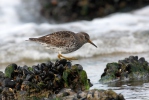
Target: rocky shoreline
{"points": [[60, 80], [50, 81]]}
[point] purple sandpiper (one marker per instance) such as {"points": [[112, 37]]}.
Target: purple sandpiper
{"points": [[64, 42]]}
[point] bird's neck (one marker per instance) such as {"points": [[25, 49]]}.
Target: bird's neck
{"points": [[80, 41]]}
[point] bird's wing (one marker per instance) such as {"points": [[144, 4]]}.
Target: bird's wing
{"points": [[58, 39]]}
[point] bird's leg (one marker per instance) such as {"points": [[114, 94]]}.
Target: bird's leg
{"points": [[67, 58]]}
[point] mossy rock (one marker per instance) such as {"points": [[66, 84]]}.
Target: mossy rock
{"points": [[9, 70], [84, 80], [131, 68], [45, 80], [79, 78], [65, 77]]}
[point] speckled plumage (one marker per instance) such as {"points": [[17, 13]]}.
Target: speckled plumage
{"points": [[64, 41]]}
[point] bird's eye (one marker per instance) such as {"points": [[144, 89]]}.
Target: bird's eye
{"points": [[86, 37]]}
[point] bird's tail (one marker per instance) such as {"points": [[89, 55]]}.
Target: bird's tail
{"points": [[33, 39]]}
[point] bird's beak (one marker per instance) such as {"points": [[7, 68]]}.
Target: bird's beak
{"points": [[92, 43]]}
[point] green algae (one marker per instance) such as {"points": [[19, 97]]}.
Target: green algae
{"points": [[84, 80], [38, 84], [130, 68], [65, 77], [9, 70]]}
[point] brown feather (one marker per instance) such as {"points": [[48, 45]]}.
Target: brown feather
{"points": [[58, 39]]}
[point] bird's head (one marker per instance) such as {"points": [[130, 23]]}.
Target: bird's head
{"points": [[86, 38]]}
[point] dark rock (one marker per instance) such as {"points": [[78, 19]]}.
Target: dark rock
{"points": [[29, 77], [18, 87], [25, 85], [26, 70], [90, 84], [78, 67], [60, 62], [1, 74], [68, 65], [142, 60], [20, 70], [49, 79], [1, 89], [8, 94], [130, 68], [136, 58], [60, 68], [43, 67], [120, 97], [10, 69], [51, 74], [8, 83], [49, 64], [1, 81], [36, 70]]}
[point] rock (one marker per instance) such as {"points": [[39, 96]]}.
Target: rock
{"points": [[94, 94], [9, 70], [81, 95], [8, 83], [8, 94], [130, 68], [1, 89], [44, 79], [53, 81], [1, 74], [78, 67]]}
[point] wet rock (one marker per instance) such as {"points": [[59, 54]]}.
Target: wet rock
{"points": [[26, 70], [18, 87], [91, 95], [8, 94], [68, 65], [19, 79], [9, 70], [8, 83], [62, 61], [96, 94], [29, 77], [90, 84], [130, 68], [25, 85], [1, 89], [1, 74], [142, 60], [36, 70], [60, 68], [44, 79], [78, 67]]}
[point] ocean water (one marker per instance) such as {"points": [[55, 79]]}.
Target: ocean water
{"points": [[117, 36]]}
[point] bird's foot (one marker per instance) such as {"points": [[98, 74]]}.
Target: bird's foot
{"points": [[60, 56]]}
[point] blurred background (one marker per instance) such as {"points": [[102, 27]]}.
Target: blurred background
{"points": [[72, 10], [119, 28]]}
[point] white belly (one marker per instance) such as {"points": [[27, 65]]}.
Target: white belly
{"points": [[63, 50]]}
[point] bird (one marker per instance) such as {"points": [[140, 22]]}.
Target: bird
{"points": [[64, 42]]}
